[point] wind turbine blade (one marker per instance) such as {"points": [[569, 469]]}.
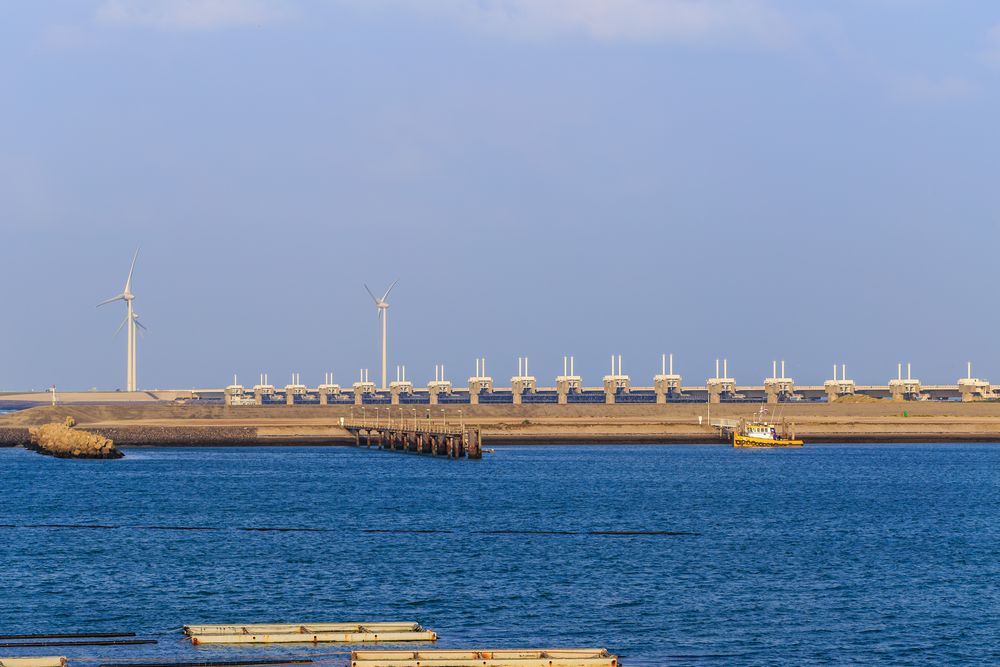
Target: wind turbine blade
{"points": [[111, 300], [384, 296], [374, 298], [140, 324], [119, 329], [128, 283]]}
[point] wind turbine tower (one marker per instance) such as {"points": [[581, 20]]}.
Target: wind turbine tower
{"points": [[383, 313], [131, 322]]}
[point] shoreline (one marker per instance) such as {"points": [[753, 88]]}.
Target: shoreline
{"points": [[173, 425]]}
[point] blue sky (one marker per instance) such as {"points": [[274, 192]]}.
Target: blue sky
{"points": [[750, 179]]}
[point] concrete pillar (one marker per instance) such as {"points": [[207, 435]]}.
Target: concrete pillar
{"points": [[906, 390], [772, 394], [666, 384], [289, 398], [231, 394], [358, 394], [324, 398], [566, 384], [521, 385], [473, 397], [613, 384]]}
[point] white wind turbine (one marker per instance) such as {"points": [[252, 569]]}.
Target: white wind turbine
{"points": [[137, 325], [132, 320], [383, 313]]}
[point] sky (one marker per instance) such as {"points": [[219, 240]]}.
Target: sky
{"points": [[745, 179]]}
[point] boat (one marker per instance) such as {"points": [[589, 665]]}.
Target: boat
{"points": [[758, 432]]}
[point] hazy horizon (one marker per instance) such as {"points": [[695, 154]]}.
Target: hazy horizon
{"points": [[748, 179]]}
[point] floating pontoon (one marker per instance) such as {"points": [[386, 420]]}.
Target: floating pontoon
{"points": [[277, 633], [582, 657]]}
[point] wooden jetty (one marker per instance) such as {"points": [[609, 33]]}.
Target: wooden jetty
{"points": [[584, 657], [41, 661], [406, 435], [297, 633]]}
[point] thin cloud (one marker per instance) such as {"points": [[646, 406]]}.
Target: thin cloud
{"points": [[189, 14], [992, 53], [66, 38], [721, 21], [924, 89]]}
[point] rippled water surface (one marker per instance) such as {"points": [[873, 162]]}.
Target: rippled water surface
{"points": [[829, 554]]}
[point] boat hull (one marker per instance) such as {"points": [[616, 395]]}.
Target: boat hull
{"points": [[748, 441]]}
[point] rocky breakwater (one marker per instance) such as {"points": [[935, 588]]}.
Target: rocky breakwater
{"points": [[63, 441]]}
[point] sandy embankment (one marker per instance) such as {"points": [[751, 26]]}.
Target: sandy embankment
{"points": [[178, 425]]}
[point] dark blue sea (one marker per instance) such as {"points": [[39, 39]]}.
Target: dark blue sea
{"points": [[829, 554]]}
